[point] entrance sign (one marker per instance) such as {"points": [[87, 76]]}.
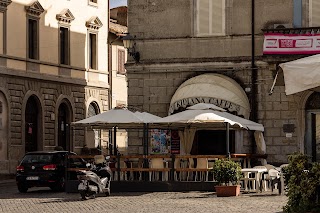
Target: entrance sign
{"points": [[196, 100], [278, 43]]}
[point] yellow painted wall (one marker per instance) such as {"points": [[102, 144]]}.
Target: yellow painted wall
{"points": [[78, 74], [51, 70], [15, 64], [16, 30], [1, 33]]}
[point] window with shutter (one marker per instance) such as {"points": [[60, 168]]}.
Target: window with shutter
{"points": [[121, 62], [210, 17], [314, 13]]}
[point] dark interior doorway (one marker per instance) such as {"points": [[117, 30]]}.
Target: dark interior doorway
{"points": [[64, 127], [31, 125], [212, 142]]}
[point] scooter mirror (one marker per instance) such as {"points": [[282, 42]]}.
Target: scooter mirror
{"points": [[88, 165]]}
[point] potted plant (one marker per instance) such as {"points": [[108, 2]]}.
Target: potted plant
{"points": [[227, 173]]}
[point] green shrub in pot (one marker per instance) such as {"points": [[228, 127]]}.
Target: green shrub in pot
{"points": [[226, 172]]}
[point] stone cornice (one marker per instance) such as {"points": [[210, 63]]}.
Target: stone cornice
{"points": [[65, 16], [94, 23], [4, 4], [35, 9]]}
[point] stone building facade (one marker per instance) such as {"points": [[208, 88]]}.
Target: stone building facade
{"points": [[182, 40], [53, 71]]}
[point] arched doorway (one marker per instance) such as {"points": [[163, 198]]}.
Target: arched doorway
{"points": [[93, 136], [3, 127], [32, 124], [64, 126], [221, 91], [312, 140]]}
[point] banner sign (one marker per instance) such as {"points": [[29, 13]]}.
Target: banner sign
{"points": [[278, 43]]}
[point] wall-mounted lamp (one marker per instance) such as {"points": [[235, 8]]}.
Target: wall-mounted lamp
{"points": [[130, 44]]}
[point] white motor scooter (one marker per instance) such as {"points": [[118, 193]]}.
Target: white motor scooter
{"points": [[96, 180]]}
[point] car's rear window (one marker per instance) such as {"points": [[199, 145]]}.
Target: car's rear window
{"points": [[39, 158]]}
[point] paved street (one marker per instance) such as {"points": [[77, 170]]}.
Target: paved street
{"points": [[44, 200]]}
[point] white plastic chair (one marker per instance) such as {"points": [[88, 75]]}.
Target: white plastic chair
{"points": [[156, 163], [202, 163], [190, 166], [177, 165], [123, 174], [274, 177]]}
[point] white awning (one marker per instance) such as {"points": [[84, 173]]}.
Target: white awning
{"points": [[301, 74], [214, 89]]}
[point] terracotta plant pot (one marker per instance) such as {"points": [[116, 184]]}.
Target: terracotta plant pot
{"points": [[227, 191]]}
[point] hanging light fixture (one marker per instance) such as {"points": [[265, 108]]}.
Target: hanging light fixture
{"points": [[130, 45]]}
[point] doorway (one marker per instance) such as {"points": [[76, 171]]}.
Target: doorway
{"points": [[312, 139], [212, 142], [64, 126], [31, 124]]}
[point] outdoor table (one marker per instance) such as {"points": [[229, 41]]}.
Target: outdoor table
{"points": [[257, 174]]}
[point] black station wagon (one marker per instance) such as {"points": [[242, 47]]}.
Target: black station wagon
{"points": [[46, 169]]}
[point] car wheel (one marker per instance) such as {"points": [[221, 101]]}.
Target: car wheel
{"points": [[108, 193], [22, 188]]}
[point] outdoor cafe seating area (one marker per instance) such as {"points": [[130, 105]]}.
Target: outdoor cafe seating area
{"points": [[195, 168]]}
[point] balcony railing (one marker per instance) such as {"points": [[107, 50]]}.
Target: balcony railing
{"points": [[303, 30]]}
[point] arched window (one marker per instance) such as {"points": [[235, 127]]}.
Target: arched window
{"points": [[93, 110]]}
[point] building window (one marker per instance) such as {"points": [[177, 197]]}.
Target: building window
{"points": [[121, 62], [33, 39], [64, 46], [210, 17], [93, 54], [94, 1]]}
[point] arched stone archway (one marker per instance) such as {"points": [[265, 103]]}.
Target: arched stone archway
{"points": [[219, 90], [64, 121], [33, 124], [93, 136], [4, 115]]}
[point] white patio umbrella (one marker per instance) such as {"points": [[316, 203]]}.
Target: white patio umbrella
{"points": [[205, 116], [119, 117]]}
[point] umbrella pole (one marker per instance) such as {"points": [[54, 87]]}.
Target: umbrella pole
{"points": [[228, 139], [145, 150], [115, 141]]}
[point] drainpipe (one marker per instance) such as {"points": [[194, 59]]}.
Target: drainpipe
{"points": [[253, 75], [110, 80]]}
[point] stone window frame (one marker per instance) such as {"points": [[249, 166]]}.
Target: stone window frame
{"points": [[34, 12], [93, 25], [3, 9], [211, 14], [65, 17], [93, 3]]}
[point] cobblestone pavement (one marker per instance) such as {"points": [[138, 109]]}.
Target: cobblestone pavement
{"points": [[44, 200]]}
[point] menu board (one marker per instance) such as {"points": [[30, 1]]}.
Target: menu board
{"points": [[175, 142]]}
